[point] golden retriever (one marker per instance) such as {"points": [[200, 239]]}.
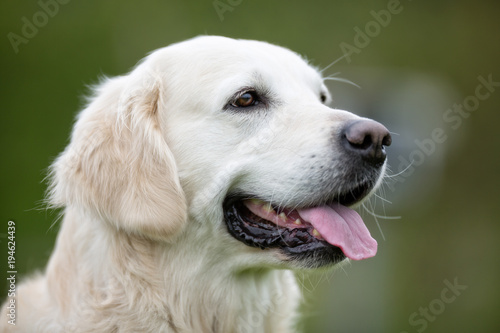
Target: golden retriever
{"points": [[193, 187]]}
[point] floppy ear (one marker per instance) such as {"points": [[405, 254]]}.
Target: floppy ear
{"points": [[118, 166]]}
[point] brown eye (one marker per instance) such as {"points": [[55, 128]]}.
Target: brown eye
{"points": [[246, 99]]}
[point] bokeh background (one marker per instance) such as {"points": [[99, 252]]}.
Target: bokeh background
{"points": [[438, 216]]}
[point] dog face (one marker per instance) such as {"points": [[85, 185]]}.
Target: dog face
{"points": [[231, 142], [257, 149]]}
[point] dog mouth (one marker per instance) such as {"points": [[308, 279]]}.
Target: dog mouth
{"points": [[330, 231]]}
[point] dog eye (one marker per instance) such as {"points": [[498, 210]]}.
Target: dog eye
{"points": [[246, 99], [322, 97]]}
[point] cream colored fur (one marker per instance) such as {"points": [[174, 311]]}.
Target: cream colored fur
{"points": [[142, 245]]}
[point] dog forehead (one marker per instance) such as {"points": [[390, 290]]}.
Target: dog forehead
{"points": [[223, 49], [218, 58]]}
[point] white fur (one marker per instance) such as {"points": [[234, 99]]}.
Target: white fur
{"points": [[143, 246]]}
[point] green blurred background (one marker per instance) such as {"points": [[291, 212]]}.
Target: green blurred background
{"points": [[411, 71]]}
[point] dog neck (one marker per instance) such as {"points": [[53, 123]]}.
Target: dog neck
{"points": [[158, 287]]}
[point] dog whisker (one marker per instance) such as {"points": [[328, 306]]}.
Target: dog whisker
{"points": [[382, 198], [399, 173], [333, 63], [376, 219], [339, 79], [385, 217]]}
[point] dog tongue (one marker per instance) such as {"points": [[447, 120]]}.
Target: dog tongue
{"points": [[342, 227]]}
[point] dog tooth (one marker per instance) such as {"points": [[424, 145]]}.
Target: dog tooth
{"points": [[267, 208], [297, 222], [316, 233], [257, 202]]}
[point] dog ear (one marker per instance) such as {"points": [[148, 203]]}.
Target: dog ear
{"points": [[118, 165]]}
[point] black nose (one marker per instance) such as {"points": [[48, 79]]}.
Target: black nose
{"points": [[368, 139]]}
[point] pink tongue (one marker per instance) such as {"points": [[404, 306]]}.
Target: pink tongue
{"points": [[342, 227]]}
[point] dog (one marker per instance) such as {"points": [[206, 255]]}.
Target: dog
{"points": [[194, 186]]}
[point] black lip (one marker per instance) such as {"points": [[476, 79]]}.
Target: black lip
{"points": [[354, 195], [297, 243]]}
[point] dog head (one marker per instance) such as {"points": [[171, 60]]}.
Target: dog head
{"points": [[237, 138]]}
